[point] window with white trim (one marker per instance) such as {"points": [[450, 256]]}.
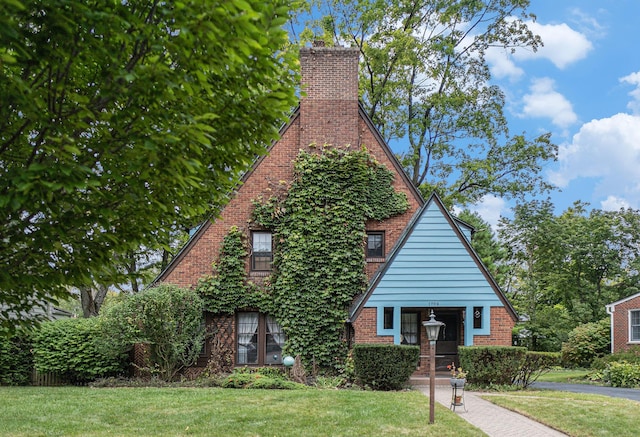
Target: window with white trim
{"points": [[634, 325]]}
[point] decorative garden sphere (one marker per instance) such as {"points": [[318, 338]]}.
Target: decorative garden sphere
{"points": [[288, 361]]}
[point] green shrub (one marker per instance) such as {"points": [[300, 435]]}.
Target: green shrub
{"points": [[586, 343], [623, 374], [16, 360], [260, 378], [385, 367], [72, 349], [492, 365], [534, 365], [631, 355], [166, 318]]}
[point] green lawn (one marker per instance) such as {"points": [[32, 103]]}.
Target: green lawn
{"points": [[74, 411], [565, 375], [573, 413]]}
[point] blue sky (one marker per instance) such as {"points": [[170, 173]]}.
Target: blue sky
{"points": [[583, 86]]}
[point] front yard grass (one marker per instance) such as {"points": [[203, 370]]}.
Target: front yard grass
{"points": [[76, 411], [573, 413], [565, 375]]}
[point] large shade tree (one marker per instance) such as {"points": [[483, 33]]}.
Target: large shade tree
{"points": [[121, 121], [425, 80], [565, 268]]}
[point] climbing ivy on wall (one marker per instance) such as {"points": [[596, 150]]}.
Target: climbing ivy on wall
{"points": [[319, 233], [227, 290], [318, 225]]}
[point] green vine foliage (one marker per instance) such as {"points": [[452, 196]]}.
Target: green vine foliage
{"points": [[227, 289], [319, 262]]}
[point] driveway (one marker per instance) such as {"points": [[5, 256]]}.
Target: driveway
{"points": [[626, 393]]}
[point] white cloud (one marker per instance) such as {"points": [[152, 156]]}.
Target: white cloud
{"points": [[588, 24], [544, 102], [490, 208], [501, 64], [607, 149], [562, 44], [633, 79], [613, 203]]}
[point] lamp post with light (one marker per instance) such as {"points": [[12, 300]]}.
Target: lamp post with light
{"points": [[432, 326]]}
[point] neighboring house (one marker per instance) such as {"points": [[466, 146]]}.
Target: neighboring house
{"points": [[40, 312], [625, 323], [416, 262]]}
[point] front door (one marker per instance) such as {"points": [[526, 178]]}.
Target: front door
{"points": [[447, 345]]}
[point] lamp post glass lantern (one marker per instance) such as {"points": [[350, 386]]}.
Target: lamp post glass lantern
{"points": [[432, 326]]}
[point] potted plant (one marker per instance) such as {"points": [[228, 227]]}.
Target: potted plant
{"points": [[458, 376]]}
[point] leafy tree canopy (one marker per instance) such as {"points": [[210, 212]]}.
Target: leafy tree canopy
{"points": [[424, 79], [575, 262], [487, 246], [121, 121]]}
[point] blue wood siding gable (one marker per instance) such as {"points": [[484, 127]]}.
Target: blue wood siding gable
{"points": [[434, 266]]}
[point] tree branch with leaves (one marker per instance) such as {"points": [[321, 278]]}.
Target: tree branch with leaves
{"points": [[426, 84]]}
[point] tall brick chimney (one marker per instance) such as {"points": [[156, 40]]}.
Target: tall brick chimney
{"points": [[329, 110]]}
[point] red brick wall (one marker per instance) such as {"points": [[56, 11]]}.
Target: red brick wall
{"points": [[365, 328], [266, 179], [329, 113], [621, 324], [501, 326]]}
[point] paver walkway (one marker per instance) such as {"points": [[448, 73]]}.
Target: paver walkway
{"points": [[495, 421]]}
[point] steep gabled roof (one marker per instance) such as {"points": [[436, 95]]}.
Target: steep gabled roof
{"points": [[419, 276]]}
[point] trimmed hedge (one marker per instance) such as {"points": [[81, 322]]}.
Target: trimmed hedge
{"points": [[385, 367], [487, 365], [73, 349], [16, 361]]}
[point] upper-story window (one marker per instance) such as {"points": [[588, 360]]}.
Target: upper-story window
{"points": [[375, 244], [262, 252], [634, 325]]}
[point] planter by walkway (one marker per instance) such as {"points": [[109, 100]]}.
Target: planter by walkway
{"points": [[457, 382]]}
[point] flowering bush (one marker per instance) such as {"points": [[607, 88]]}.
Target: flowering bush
{"points": [[456, 372]]}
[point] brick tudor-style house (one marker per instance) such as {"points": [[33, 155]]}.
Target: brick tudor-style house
{"points": [[625, 323], [416, 262]]}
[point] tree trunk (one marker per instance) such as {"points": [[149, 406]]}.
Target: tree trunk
{"points": [[92, 298]]}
